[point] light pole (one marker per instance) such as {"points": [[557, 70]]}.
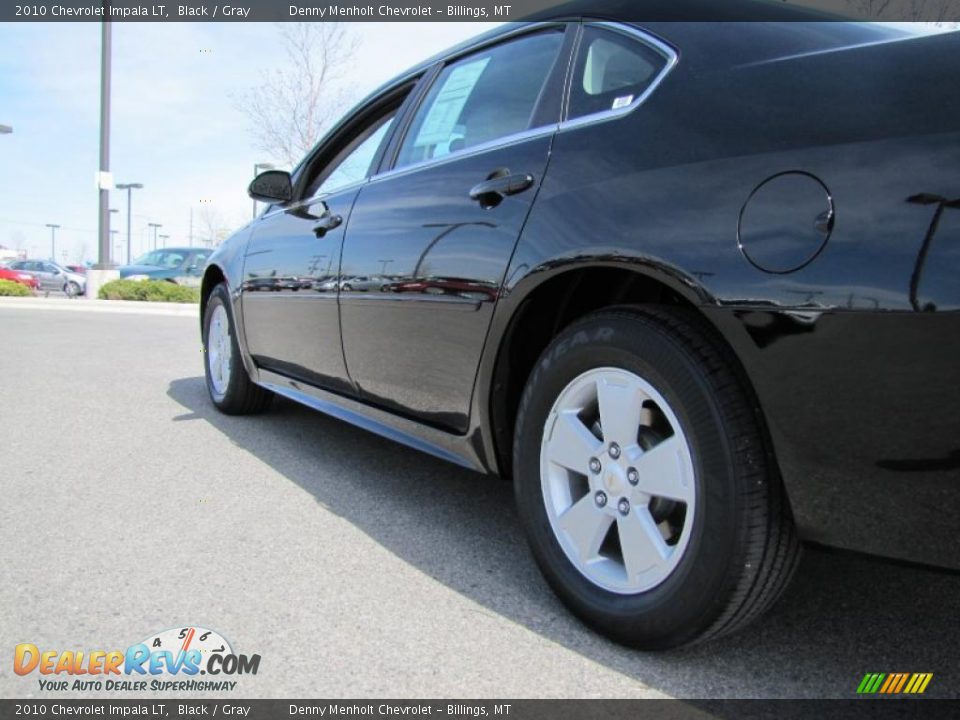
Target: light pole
{"points": [[155, 226], [105, 181], [53, 241], [257, 167], [129, 187], [113, 242], [164, 238], [5, 129]]}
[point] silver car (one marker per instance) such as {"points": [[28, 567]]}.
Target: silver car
{"points": [[52, 276]]}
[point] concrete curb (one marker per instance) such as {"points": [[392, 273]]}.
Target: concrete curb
{"points": [[127, 307]]}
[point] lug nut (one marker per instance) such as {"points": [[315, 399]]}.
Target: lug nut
{"points": [[600, 498], [595, 466], [624, 506], [614, 451], [633, 477]]}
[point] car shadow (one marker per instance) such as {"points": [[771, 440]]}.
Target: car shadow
{"points": [[844, 614]]}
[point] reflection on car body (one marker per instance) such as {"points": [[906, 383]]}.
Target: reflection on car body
{"points": [[678, 281]]}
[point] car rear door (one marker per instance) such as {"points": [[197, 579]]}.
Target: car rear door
{"points": [[46, 275], [439, 226]]}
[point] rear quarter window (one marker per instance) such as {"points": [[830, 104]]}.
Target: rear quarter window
{"points": [[612, 71]]}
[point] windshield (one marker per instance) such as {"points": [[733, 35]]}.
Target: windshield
{"points": [[162, 258]]}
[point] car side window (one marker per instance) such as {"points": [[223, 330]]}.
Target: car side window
{"points": [[354, 162], [612, 71], [482, 97]]}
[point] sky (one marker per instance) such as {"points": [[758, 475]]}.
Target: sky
{"points": [[176, 126]]}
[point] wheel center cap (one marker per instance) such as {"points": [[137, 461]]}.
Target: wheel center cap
{"points": [[615, 480]]}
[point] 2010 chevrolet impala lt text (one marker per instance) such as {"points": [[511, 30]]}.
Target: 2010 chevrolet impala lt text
{"points": [[692, 287]]}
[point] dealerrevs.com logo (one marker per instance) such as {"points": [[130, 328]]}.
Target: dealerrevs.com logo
{"points": [[171, 660]]}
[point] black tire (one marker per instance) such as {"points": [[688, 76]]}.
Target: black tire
{"points": [[743, 547], [242, 396], [71, 289]]}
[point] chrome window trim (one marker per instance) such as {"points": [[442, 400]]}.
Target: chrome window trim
{"points": [[502, 141], [505, 141], [307, 202], [669, 53]]}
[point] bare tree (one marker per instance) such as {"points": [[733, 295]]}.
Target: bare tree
{"points": [[296, 103], [211, 226], [869, 8], [939, 12]]}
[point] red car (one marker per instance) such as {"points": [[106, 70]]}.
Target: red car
{"points": [[24, 278]]}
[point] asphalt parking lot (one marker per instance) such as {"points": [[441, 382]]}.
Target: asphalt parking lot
{"points": [[353, 566]]}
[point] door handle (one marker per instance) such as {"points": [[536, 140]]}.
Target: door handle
{"points": [[501, 183], [326, 223]]}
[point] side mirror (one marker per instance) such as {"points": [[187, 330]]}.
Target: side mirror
{"points": [[272, 186]]}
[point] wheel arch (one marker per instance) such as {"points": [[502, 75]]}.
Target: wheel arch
{"points": [[212, 277], [541, 305]]}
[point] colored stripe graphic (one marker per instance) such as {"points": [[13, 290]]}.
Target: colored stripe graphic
{"points": [[903, 679], [894, 683], [918, 683], [870, 683]]}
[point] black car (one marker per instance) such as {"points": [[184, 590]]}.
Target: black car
{"points": [[721, 298]]}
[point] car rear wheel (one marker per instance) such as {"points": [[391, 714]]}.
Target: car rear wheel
{"points": [[644, 483], [228, 383]]}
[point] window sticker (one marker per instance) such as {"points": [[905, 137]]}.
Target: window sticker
{"points": [[622, 101], [441, 120]]}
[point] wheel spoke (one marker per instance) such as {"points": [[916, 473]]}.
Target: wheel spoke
{"points": [[620, 408], [571, 444], [662, 471], [219, 349], [586, 525], [640, 542]]}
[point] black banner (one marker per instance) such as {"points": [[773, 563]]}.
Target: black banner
{"points": [[471, 709], [946, 11]]}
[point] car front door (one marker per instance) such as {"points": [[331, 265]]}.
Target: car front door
{"points": [[291, 320], [439, 226], [35, 268]]}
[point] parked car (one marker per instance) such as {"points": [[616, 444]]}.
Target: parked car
{"points": [[79, 269], [19, 276], [363, 283], [447, 286], [181, 266], [52, 276], [327, 284], [726, 313]]}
